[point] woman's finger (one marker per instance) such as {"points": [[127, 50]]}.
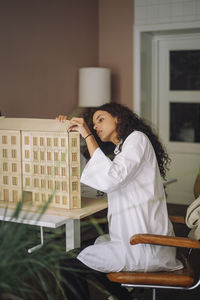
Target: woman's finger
{"points": [[61, 118]]}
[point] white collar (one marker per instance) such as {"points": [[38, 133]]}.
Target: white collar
{"points": [[118, 147]]}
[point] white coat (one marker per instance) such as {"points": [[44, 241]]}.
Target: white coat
{"points": [[136, 204]]}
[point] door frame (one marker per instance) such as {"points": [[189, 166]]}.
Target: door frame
{"points": [[145, 34]]}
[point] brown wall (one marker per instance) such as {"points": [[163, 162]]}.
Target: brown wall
{"points": [[43, 43], [116, 46]]}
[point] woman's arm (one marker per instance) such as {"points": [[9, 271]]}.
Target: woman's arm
{"points": [[78, 124]]}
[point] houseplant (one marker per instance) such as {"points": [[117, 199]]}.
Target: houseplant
{"points": [[31, 276]]}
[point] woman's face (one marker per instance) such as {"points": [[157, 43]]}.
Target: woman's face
{"points": [[105, 126]]}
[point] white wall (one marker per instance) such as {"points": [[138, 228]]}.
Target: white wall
{"points": [[166, 11]]}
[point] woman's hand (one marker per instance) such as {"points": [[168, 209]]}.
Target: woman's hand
{"points": [[61, 118], [78, 124]]}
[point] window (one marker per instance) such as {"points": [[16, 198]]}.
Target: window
{"points": [[27, 168], [26, 140], [62, 142], [14, 180], [13, 140], [4, 139], [14, 167], [27, 181], [14, 154], [5, 167], [5, 180], [74, 156], [35, 168], [48, 142], [41, 141], [184, 70], [27, 154], [35, 141], [74, 142], [74, 186], [185, 122], [5, 153]]}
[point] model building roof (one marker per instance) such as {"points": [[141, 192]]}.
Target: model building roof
{"points": [[27, 124]]}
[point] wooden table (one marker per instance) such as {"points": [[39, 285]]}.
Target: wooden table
{"points": [[54, 218]]}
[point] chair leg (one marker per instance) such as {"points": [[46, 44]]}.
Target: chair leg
{"points": [[154, 294]]}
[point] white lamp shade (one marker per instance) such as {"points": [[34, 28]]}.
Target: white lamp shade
{"points": [[94, 86]]}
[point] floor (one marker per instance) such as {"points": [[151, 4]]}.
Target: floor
{"points": [[146, 294]]}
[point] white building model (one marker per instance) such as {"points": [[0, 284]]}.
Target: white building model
{"points": [[39, 159]]}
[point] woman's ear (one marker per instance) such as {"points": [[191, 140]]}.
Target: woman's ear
{"points": [[116, 120]]}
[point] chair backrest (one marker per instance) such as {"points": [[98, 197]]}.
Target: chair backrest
{"points": [[197, 185]]}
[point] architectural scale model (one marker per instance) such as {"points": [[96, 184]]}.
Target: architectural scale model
{"points": [[39, 159]]}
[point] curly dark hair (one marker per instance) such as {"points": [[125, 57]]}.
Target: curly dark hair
{"points": [[128, 121]]}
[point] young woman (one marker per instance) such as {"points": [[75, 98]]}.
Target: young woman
{"points": [[133, 183]]}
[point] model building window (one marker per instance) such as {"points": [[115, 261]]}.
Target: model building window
{"points": [[41, 141], [49, 170], [75, 201], [6, 195], [15, 196], [5, 179], [5, 167], [57, 199], [74, 171], [62, 142], [49, 142], [43, 197], [5, 153], [64, 186], [55, 142], [14, 180], [56, 171], [27, 154], [37, 197], [14, 153], [27, 168], [74, 142], [26, 140], [35, 155], [56, 156], [43, 183], [42, 155], [14, 167], [36, 169], [63, 156], [36, 182], [74, 186], [57, 185], [27, 181], [13, 140], [74, 156], [4, 139], [48, 155], [42, 170], [63, 171], [50, 184], [35, 141], [64, 200]]}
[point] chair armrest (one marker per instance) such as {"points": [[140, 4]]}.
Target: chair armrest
{"points": [[177, 219], [164, 240]]}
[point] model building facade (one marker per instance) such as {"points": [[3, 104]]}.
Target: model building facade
{"points": [[39, 159]]}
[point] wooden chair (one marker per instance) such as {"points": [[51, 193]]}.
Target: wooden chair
{"points": [[183, 279]]}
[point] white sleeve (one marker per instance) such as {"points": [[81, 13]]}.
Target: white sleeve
{"points": [[105, 175]]}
